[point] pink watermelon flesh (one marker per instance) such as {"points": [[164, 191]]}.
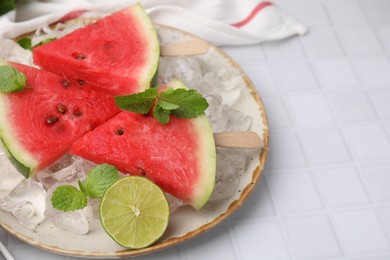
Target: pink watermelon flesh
{"points": [[118, 54], [179, 157], [39, 124]]}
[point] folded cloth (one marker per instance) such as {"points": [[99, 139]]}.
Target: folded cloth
{"points": [[222, 22]]}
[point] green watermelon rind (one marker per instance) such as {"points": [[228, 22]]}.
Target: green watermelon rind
{"points": [[149, 79], [207, 157], [16, 153]]}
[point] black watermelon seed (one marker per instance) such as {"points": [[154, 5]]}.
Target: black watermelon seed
{"points": [[65, 83], [51, 119], [79, 56], [120, 131], [77, 113], [81, 82], [61, 108]]}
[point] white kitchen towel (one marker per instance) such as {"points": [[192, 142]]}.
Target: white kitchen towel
{"points": [[222, 22]]}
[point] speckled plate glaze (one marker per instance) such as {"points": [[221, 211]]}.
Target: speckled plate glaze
{"points": [[185, 223]]}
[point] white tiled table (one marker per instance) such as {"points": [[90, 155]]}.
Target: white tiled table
{"points": [[325, 193]]}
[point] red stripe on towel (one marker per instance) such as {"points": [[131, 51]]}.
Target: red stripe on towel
{"points": [[254, 12], [71, 15]]}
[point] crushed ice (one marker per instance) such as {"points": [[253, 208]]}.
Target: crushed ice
{"points": [[67, 171], [29, 200]]}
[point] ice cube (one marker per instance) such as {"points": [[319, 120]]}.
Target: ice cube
{"points": [[69, 169], [224, 80], [92, 209], [27, 202], [73, 221], [230, 164], [9, 176], [174, 203], [187, 69], [88, 166]]}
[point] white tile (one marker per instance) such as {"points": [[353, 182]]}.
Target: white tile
{"points": [[371, 257], [285, 151], [322, 42], [310, 109], [377, 10], [313, 238], [374, 70], [209, 247], [336, 73], [25, 251], [384, 36], [342, 187], [3, 236], [360, 40], [378, 179], [295, 75], [289, 48], [385, 211], [381, 97], [361, 232], [309, 12], [345, 12], [249, 53], [368, 141], [261, 76], [258, 205], [260, 240], [325, 146], [352, 106], [278, 115], [294, 191]]}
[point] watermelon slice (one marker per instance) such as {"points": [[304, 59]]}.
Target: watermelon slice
{"points": [[118, 54], [39, 124], [179, 157]]}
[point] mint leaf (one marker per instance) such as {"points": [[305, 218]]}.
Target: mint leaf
{"points": [[25, 43], [179, 102], [68, 198], [82, 188], [166, 105], [190, 103], [99, 179], [140, 103], [162, 115], [6, 6], [11, 80]]}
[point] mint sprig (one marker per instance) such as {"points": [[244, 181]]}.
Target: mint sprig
{"points": [[179, 102], [139, 103], [98, 180], [11, 80], [185, 103], [68, 198], [26, 43]]}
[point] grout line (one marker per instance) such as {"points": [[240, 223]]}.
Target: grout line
{"points": [[236, 249], [280, 218]]}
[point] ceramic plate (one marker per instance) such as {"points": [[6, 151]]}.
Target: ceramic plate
{"points": [[185, 223]]}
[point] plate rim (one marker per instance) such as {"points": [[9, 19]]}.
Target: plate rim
{"points": [[233, 206]]}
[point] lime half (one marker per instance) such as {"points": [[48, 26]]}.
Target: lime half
{"points": [[134, 212]]}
